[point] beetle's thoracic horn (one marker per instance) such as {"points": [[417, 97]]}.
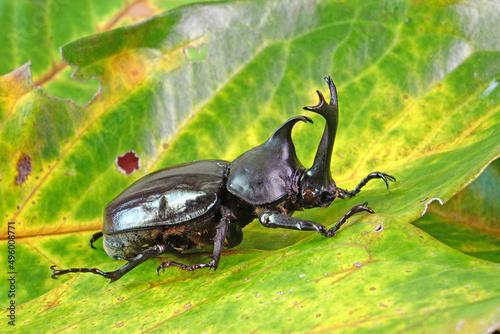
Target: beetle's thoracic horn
{"points": [[319, 174]]}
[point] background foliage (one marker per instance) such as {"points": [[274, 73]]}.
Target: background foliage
{"points": [[419, 96]]}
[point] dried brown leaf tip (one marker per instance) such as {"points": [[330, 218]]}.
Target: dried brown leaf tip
{"points": [[24, 168]]}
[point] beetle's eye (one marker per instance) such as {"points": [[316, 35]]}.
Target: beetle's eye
{"points": [[309, 198], [308, 194]]}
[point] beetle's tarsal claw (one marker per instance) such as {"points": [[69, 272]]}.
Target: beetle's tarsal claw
{"points": [[94, 238], [384, 177], [55, 272], [363, 207], [162, 266]]}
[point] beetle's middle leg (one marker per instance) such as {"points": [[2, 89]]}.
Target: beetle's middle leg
{"points": [[220, 236], [275, 218]]}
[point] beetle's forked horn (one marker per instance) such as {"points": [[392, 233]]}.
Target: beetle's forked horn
{"points": [[319, 174]]}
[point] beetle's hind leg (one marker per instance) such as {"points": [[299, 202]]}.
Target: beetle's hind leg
{"points": [[371, 176], [117, 274], [94, 238], [220, 236]]}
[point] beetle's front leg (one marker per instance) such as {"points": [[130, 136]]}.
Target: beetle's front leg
{"points": [[375, 175], [275, 218], [220, 236]]}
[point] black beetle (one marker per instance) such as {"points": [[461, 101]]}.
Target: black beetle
{"points": [[200, 203]]}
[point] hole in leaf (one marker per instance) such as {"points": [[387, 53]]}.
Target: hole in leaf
{"points": [[63, 86], [196, 54], [24, 168], [128, 163]]}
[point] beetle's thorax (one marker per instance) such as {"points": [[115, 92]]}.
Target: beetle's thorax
{"points": [[268, 172]]}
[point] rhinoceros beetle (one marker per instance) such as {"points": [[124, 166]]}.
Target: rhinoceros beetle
{"points": [[203, 203]]}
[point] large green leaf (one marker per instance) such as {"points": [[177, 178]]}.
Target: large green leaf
{"points": [[418, 90], [34, 30]]}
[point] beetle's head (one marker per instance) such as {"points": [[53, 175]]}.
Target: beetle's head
{"points": [[317, 188]]}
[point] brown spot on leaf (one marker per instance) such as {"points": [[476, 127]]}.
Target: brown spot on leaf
{"points": [[129, 67], [24, 168], [128, 163]]}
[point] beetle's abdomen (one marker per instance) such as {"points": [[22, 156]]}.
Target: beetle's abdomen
{"points": [[180, 237], [171, 196]]}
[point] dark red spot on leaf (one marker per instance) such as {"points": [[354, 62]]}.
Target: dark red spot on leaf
{"points": [[24, 168], [128, 163]]}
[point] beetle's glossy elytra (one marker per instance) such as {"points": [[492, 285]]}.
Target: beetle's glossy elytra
{"points": [[203, 203]]}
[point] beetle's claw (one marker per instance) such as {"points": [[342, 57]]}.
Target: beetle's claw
{"points": [[385, 176], [161, 266], [379, 175], [365, 208], [385, 180], [94, 239], [54, 272]]}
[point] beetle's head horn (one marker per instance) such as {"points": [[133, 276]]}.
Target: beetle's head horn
{"points": [[316, 185]]}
